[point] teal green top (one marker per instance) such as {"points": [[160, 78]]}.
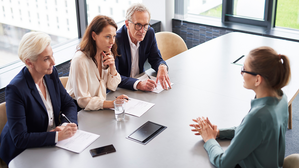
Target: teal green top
{"points": [[259, 141]]}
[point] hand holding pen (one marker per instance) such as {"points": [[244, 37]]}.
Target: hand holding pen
{"points": [[147, 85], [67, 131], [122, 97]]}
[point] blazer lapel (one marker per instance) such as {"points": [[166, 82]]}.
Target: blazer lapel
{"points": [[51, 90], [127, 49], [141, 57], [33, 88]]}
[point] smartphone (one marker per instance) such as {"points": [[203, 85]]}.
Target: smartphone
{"points": [[102, 150]]}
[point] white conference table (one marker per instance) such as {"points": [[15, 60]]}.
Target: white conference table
{"points": [[205, 84]]}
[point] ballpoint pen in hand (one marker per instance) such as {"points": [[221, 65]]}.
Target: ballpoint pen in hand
{"points": [[66, 118], [123, 98]]}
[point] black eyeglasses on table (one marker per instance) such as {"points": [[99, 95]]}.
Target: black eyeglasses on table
{"points": [[139, 26]]}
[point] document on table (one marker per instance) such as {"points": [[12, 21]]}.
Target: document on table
{"points": [[137, 107], [159, 88], [78, 142]]}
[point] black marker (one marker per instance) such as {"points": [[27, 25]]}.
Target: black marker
{"points": [[66, 118]]}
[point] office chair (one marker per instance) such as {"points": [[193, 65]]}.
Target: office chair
{"points": [[170, 44], [64, 80], [291, 161], [3, 120]]}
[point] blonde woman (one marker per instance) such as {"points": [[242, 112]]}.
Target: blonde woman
{"points": [[34, 100]]}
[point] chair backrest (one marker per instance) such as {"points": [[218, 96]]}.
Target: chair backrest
{"points": [[291, 161], [170, 44], [3, 117], [64, 80]]}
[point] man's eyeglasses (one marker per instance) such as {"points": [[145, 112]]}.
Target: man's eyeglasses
{"points": [[251, 73], [139, 26]]}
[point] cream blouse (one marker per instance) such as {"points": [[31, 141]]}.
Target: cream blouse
{"points": [[86, 85]]}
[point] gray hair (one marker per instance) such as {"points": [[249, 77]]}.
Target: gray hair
{"points": [[136, 7], [32, 44]]}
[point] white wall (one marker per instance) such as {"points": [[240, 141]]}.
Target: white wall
{"points": [[162, 10]]}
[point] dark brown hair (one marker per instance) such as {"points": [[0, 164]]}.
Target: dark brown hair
{"points": [[275, 68], [87, 44]]}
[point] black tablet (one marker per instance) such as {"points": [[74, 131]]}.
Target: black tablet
{"points": [[146, 132]]}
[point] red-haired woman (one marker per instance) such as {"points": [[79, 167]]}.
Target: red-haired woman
{"points": [[92, 68]]}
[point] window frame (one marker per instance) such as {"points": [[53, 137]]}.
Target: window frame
{"points": [[269, 14]]}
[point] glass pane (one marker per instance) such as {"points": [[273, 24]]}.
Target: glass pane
{"points": [[251, 9], [113, 8], [205, 7], [287, 14], [17, 17]]}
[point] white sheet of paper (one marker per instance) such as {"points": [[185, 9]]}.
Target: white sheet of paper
{"points": [[78, 142], [159, 88], [137, 107]]}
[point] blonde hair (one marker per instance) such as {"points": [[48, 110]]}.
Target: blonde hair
{"points": [[32, 44], [136, 7]]}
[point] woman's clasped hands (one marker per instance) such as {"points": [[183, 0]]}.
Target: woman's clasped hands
{"points": [[205, 128]]}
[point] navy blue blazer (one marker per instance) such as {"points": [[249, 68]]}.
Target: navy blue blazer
{"points": [[147, 50], [27, 117]]}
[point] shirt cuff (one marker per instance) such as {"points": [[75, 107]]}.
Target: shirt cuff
{"points": [[135, 84], [56, 137], [163, 64]]}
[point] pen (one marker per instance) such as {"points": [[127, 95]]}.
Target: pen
{"points": [[123, 98], [150, 78], [66, 118], [238, 59]]}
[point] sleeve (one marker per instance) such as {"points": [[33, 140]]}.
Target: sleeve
{"points": [[245, 141], [155, 58], [227, 133], [16, 118], [113, 81], [79, 81]]}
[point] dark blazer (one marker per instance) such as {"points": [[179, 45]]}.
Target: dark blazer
{"points": [[147, 50], [27, 118]]}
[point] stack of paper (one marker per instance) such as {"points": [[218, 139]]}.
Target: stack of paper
{"points": [[159, 88], [137, 107], [78, 142]]}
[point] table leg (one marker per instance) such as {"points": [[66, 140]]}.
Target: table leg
{"points": [[290, 117]]}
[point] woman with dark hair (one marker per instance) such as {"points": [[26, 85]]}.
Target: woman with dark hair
{"points": [[92, 68], [259, 141]]}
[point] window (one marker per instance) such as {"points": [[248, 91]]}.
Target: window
{"points": [[34, 19], [108, 8], [211, 8], [245, 8], [287, 14]]}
